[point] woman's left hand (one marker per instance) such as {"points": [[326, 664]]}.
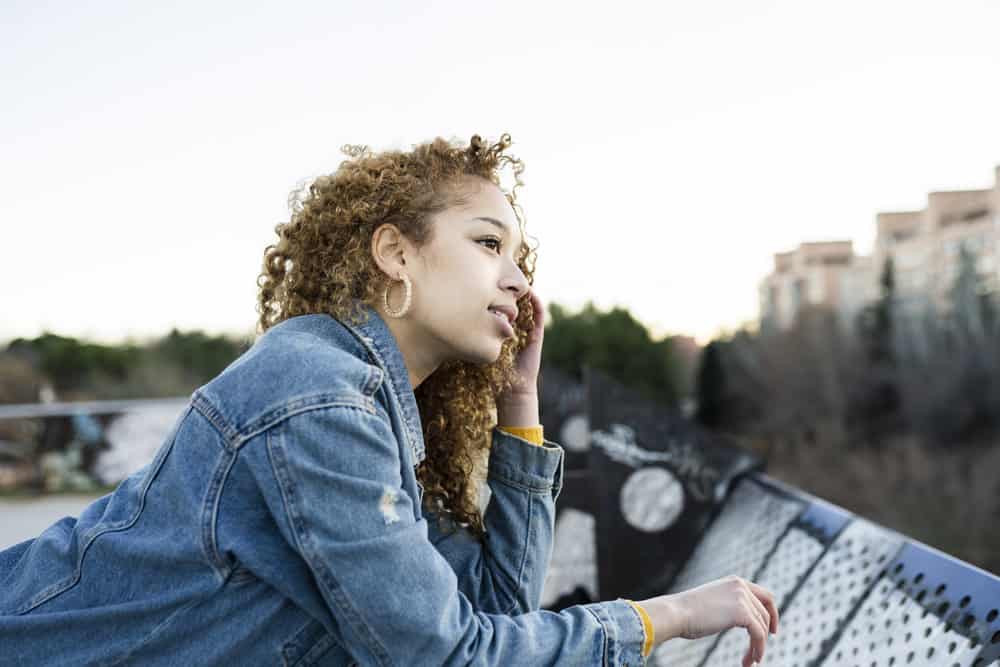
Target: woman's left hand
{"points": [[518, 406]]}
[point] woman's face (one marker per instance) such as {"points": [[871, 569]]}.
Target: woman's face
{"points": [[465, 270]]}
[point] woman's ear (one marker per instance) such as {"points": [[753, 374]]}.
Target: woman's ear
{"points": [[389, 249]]}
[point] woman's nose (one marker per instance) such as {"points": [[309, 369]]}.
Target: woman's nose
{"points": [[516, 282]]}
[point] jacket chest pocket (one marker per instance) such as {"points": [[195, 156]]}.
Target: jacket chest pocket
{"points": [[313, 645]]}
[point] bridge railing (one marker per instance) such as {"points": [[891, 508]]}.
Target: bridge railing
{"points": [[652, 504]]}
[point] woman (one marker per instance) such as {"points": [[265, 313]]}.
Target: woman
{"points": [[316, 503]]}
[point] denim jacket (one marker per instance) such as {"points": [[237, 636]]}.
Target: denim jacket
{"points": [[281, 523]]}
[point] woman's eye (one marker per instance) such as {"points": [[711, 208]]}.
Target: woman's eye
{"points": [[496, 243]]}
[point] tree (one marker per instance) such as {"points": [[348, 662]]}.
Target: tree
{"points": [[875, 409], [72, 364], [967, 304], [711, 387], [613, 342], [170, 366]]}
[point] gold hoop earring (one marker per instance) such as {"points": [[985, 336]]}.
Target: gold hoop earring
{"points": [[407, 299]]}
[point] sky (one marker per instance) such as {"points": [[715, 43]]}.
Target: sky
{"points": [[670, 149]]}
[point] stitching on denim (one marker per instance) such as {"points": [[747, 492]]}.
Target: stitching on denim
{"points": [[308, 551], [60, 587], [311, 653], [290, 657], [606, 656], [155, 631], [214, 417], [318, 649], [370, 344], [532, 488], [319, 402], [239, 575], [510, 473], [494, 567], [535, 569], [235, 438], [497, 571], [614, 632], [505, 473], [557, 479], [210, 513], [373, 381], [292, 406], [525, 555], [399, 404], [641, 625]]}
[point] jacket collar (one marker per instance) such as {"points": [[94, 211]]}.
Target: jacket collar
{"points": [[381, 344]]}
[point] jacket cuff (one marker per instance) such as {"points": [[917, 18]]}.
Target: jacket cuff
{"points": [[647, 627], [533, 434], [520, 463], [623, 630]]}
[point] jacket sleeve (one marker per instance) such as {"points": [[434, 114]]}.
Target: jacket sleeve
{"points": [[336, 493], [505, 572]]}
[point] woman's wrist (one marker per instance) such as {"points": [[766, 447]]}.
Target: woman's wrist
{"points": [[521, 410], [667, 617]]}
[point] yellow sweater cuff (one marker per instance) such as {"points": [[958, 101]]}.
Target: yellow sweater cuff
{"points": [[647, 625], [532, 434]]}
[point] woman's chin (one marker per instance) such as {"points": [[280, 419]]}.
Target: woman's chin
{"points": [[484, 356]]}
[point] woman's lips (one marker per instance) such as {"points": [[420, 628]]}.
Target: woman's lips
{"points": [[502, 320]]}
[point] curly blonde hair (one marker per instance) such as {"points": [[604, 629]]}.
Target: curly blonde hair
{"points": [[322, 262]]}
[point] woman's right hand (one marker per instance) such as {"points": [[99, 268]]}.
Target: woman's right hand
{"points": [[714, 607]]}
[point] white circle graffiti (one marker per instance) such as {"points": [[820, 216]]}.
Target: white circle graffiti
{"points": [[575, 433], [652, 499]]}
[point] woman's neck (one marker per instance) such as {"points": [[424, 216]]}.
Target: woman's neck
{"points": [[418, 356]]}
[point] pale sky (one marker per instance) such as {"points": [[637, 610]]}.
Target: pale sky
{"points": [[146, 153]]}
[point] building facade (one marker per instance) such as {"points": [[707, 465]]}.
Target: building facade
{"points": [[926, 249], [812, 274]]}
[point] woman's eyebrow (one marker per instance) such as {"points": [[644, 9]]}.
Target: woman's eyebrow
{"points": [[496, 223]]}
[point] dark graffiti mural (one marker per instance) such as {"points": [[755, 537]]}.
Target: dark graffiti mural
{"points": [[644, 484]]}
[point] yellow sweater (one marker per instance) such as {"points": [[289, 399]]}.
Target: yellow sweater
{"points": [[534, 435]]}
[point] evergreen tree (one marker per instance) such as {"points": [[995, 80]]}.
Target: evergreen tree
{"points": [[966, 303], [874, 410], [711, 387], [880, 335]]}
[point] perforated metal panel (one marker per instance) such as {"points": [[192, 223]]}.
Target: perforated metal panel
{"points": [[797, 552], [744, 533], [825, 601], [892, 629], [872, 599], [738, 542], [928, 608]]}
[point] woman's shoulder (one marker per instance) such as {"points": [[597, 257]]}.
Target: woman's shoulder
{"points": [[302, 360]]}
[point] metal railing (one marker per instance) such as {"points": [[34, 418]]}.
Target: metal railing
{"points": [[652, 504]]}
